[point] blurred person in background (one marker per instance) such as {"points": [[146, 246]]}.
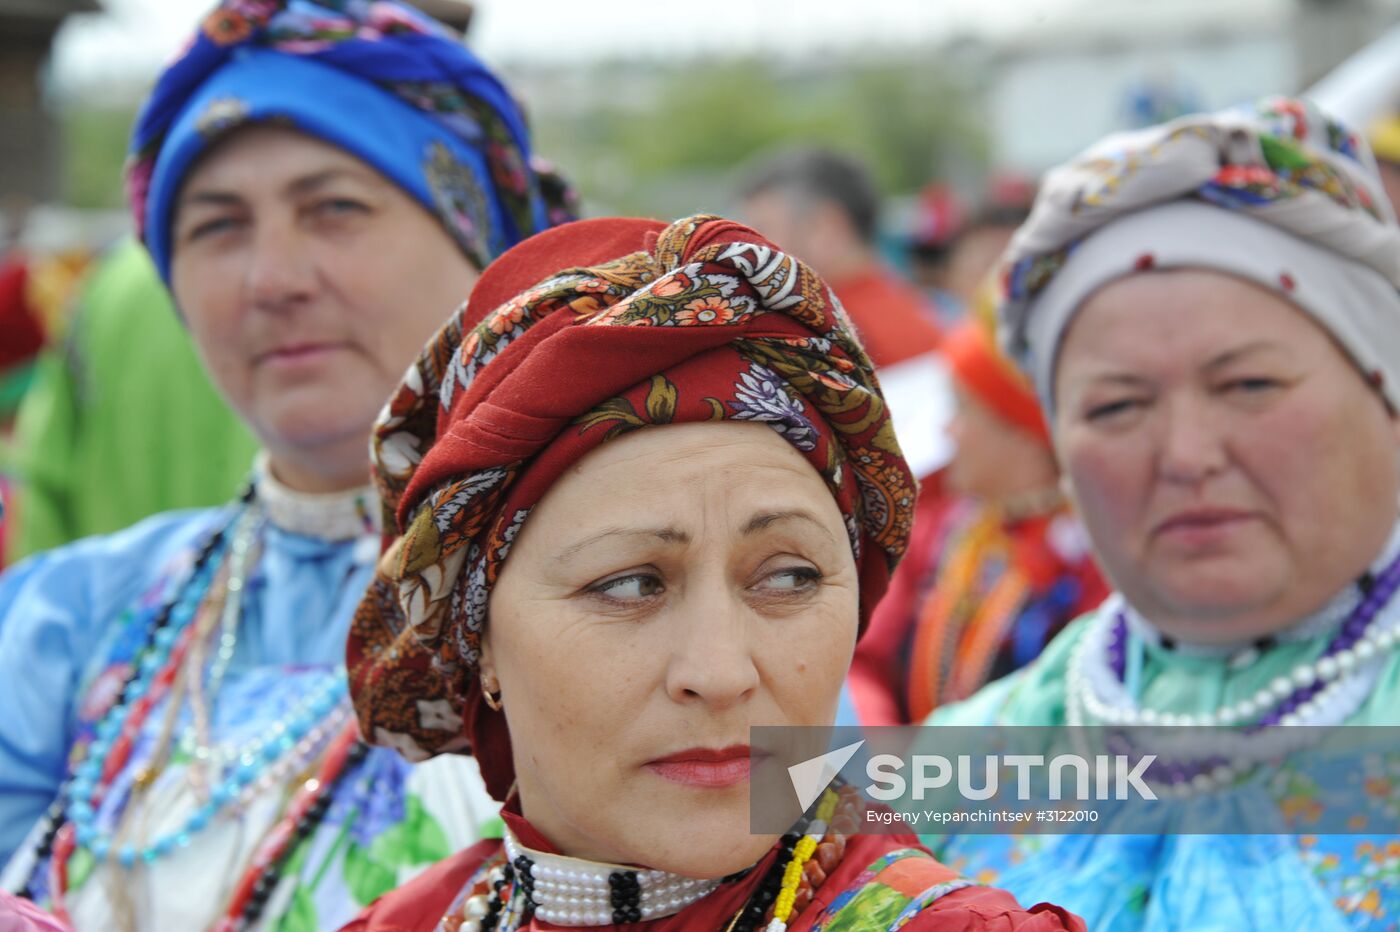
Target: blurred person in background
{"points": [[980, 240], [1210, 313], [939, 216], [823, 207], [319, 184], [23, 330], [121, 421], [996, 567]]}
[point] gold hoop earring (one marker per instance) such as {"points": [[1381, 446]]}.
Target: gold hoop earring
{"points": [[493, 701], [1067, 491]]}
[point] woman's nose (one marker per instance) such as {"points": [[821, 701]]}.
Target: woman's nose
{"points": [[1193, 447], [711, 657], [280, 272]]}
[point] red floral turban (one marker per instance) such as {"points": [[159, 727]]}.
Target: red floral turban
{"points": [[703, 320]]}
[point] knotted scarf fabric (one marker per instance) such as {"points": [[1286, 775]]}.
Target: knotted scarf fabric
{"points": [[1277, 193], [376, 78], [645, 326]]}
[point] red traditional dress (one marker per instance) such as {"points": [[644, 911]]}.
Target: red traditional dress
{"points": [[893, 318], [978, 595]]}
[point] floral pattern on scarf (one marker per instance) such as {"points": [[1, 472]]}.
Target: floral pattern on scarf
{"points": [[711, 323]]}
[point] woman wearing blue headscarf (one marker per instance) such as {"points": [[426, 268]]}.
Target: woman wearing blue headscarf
{"points": [[319, 184]]}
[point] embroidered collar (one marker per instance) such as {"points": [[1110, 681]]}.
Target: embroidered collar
{"points": [[333, 516]]}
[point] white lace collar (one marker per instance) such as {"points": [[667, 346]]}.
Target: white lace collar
{"points": [[332, 516]]}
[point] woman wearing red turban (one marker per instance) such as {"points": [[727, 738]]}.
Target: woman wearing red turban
{"points": [[687, 458]]}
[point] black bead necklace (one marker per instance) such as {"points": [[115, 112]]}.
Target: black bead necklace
{"points": [[271, 875], [626, 891]]}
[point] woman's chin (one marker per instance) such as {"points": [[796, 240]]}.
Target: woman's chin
{"points": [[711, 854], [1218, 614], [311, 427]]}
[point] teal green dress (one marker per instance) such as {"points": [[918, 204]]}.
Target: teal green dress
{"points": [[1234, 882]]}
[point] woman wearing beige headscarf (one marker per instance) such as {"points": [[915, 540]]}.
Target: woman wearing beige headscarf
{"points": [[1209, 312]]}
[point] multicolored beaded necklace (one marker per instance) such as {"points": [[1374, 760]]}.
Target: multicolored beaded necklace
{"points": [[171, 667], [977, 595], [518, 884]]}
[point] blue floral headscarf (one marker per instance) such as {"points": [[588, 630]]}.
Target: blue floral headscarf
{"points": [[384, 82]]}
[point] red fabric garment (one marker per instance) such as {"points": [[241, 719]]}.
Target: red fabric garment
{"points": [[879, 677], [21, 334], [876, 678], [892, 318], [421, 903]]}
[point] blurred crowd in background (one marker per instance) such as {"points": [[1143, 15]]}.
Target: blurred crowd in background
{"points": [[898, 166], [896, 147]]}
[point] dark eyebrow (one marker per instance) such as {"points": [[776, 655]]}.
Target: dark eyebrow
{"points": [[1216, 362], [308, 183], [664, 534], [214, 198], [1119, 378], [761, 522], [298, 187], [670, 535]]}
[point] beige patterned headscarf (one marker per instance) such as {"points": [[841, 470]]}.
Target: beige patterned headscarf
{"points": [[1277, 194]]}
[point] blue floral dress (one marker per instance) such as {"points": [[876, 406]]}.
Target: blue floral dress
{"points": [[73, 622]]}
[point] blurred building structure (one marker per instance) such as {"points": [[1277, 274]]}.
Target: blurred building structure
{"points": [[1054, 87], [1040, 78], [29, 136], [1040, 89]]}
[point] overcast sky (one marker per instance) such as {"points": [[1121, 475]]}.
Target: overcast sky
{"points": [[134, 37]]}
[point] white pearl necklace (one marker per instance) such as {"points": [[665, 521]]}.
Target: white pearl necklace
{"points": [[476, 908], [1088, 685], [573, 892], [1348, 678]]}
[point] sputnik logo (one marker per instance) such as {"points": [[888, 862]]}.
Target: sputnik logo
{"points": [[812, 776]]}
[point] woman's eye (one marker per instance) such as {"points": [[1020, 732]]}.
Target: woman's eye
{"points": [[631, 587], [211, 227], [1111, 409], [791, 579], [1251, 386], [339, 206]]}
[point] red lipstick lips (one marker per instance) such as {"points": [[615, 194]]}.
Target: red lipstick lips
{"points": [[707, 768]]}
